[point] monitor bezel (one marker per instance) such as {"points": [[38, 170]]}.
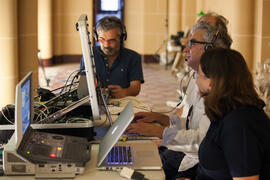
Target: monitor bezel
{"points": [[18, 108], [89, 66]]}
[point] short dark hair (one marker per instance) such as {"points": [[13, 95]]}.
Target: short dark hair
{"points": [[110, 22], [231, 83]]}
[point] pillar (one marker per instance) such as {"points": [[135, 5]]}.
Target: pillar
{"points": [[45, 37], [8, 51], [27, 20]]}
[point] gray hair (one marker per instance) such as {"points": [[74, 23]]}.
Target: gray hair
{"points": [[212, 35], [110, 22], [221, 27]]}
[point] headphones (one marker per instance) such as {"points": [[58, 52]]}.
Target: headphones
{"points": [[115, 22], [210, 45]]}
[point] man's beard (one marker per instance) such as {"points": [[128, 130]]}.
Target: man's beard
{"points": [[109, 51]]}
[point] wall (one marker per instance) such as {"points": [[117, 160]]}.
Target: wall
{"points": [[18, 46], [248, 25], [146, 22], [262, 31], [65, 15], [240, 14]]}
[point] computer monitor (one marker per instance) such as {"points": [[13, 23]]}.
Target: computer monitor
{"points": [[23, 107], [82, 27]]}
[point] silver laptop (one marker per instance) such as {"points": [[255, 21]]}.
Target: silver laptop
{"points": [[42, 147], [142, 155]]}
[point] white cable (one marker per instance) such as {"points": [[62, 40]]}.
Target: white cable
{"points": [[6, 117]]}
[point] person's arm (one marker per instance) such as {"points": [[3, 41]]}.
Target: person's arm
{"points": [[186, 140], [152, 117], [247, 178], [144, 124], [146, 129], [117, 91]]}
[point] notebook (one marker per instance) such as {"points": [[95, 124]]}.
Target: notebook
{"points": [[141, 155], [42, 147]]}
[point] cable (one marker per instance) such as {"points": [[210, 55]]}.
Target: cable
{"points": [[147, 110], [41, 112], [181, 90], [67, 81], [6, 116], [163, 112], [77, 119], [181, 81], [43, 106]]}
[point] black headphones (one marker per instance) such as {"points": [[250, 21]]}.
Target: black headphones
{"points": [[111, 20], [210, 45]]}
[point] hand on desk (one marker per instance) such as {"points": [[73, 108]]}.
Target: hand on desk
{"points": [[151, 117], [117, 91], [146, 129]]}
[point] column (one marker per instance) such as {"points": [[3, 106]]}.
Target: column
{"points": [[189, 13], [175, 17], [8, 51], [27, 31], [45, 37], [241, 16]]}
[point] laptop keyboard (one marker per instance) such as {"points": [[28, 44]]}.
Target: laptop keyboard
{"points": [[120, 155], [135, 136]]}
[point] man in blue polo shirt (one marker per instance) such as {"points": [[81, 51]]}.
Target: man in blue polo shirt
{"points": [[119, 69]]}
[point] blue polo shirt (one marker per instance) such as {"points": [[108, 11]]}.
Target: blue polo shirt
{"points": [[126, 68]]}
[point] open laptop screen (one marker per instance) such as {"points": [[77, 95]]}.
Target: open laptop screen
{"points": [[26, 104], [23, 105]]}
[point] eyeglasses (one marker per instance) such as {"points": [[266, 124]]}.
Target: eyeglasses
{"points": [[192, 42], [109, 41]]}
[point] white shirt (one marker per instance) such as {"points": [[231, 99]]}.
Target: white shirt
{"points": [[177, 138]]}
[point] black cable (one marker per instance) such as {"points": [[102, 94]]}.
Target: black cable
{"points": [[163, 112], [181, 91], [65, 85]]}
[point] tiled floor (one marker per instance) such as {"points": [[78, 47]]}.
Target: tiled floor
{"points": [[160, 84]]}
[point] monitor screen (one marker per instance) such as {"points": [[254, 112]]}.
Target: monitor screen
{"points": [[23, 107], [26, 105]]}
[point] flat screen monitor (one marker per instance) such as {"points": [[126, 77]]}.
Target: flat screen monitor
{"points": [[82, 27], [23, 107]]}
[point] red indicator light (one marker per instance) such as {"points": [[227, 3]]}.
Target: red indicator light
{"points": [[52, 155]]}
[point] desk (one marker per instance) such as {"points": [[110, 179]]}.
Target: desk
{"points": [[92, 173], [118, 107]]}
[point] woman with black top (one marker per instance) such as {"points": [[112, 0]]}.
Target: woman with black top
{"points": [[237, 144]]}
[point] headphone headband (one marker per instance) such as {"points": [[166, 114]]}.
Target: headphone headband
{"points": [[111, 20]]}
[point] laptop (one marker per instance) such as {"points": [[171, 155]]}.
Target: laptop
{"points": [[43, 147], [140, 155]]}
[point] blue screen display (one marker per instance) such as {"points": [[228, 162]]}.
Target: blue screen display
{"points": [[26, 104]]}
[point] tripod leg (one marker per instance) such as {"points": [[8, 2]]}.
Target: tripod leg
{"points": [[43, 70]]}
